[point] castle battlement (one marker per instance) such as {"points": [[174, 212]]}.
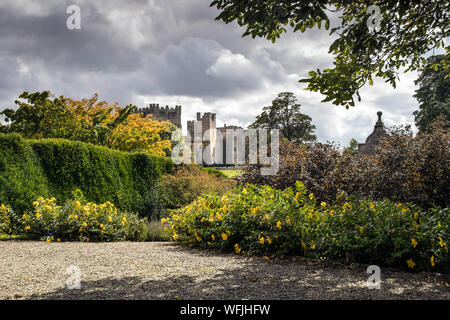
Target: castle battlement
{"points": [[163, 113]]}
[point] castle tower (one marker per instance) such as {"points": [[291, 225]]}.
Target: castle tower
{"points": [[163, 113], [202, 132]]}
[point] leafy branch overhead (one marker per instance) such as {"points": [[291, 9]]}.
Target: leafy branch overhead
{"points": [[408, 30]]}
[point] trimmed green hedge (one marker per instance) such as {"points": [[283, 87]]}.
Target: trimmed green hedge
{"points": [[57, 167]]}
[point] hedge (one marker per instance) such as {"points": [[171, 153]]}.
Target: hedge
{"points": [[56, 167]]}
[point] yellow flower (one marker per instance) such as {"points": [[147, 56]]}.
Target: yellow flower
{"points": [[35, 203], [224, 236], [261, 239], [432, 261], [399, 205], [372, 206], [75, 217], [288, 220], [279, 225], [266, 216], [414, 242], [346, 205], [213, 237], [441, 242], [58, 240], [416, 215], [361, 229], [253, 210], [303, 245], [38, 215], [48, 240], [175, 236], [311, 196], [331, 212], [313, 246], [24, 217], [27, 228], [269, 241], [323, 204], [411, 263], [237, 249], [84, 224], [102, 226], [218, 216], [110, 219], [244, 191]]}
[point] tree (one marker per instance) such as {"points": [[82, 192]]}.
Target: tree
{"points": [[407, 30], [140, 134], [284, 114], [87, 120], [433, 94], [352, 148]]}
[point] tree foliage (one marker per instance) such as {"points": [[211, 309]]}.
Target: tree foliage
{"points": [[405, 168], [408, 30], [433, 94], [284, 114], [39, 115], [352, 148]]}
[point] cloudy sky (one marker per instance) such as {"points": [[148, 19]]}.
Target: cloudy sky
{"points": [[173, 52]]}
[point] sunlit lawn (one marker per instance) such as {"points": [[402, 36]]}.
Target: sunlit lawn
{"points": [[232, 173]]}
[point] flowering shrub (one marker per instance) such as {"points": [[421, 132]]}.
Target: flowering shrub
{"points": [[5, 225], [264, 220], [75, 220], [187, 182]]}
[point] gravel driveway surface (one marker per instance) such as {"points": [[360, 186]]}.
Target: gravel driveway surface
{"points": [[155, 270]]}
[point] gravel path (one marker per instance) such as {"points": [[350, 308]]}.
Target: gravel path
{"points": [[130, 270]]}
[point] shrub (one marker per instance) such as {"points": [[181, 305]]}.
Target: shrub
{"points": [[5, 223], [404, 168], [56, 167], [77, 220], [188, 182], [264, 220]]}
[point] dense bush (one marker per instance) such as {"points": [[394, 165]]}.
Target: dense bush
{"points": [[187, 182], [54, 168], [265, 220], [404, 168], [75, 220]]}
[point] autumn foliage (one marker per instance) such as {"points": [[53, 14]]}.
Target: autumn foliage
{"points": [[87, 120]]}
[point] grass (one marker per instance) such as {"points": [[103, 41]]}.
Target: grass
{"points": [[231, 173], [4, 236], [156, 232]]}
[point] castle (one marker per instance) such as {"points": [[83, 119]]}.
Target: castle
{"points": [[204, 126], [163, 113]]}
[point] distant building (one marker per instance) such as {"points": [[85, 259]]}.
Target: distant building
{"points": [[372, 140], [163, 113]]}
